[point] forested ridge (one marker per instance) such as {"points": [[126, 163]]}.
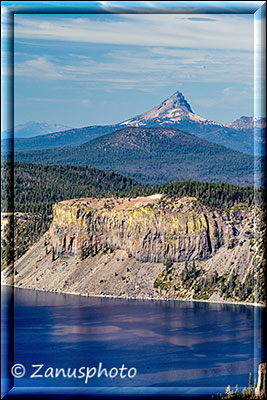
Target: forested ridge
{"points": [[153, 156], [32, 189], [37, 187]]}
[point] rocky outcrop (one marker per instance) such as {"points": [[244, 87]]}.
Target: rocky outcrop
{"points": [[260, 390], [245, 123], [151, 229], [150, 247]]}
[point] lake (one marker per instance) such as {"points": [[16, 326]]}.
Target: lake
{"points": [[187, 346]]}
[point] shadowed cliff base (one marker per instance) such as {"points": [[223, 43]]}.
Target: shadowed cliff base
{"points": [[148, 247]]}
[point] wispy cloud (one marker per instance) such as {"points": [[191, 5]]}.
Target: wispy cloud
{"points": [[169, 30], [118, 56], [141, 69], [38, 67], [145, 50]]}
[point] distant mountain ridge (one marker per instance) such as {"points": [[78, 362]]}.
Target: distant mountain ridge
{"points": [[244, 123], [246, 134], [70, 137], [33, 128], [153, 156]]}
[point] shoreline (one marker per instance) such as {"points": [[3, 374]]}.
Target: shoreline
{"points": [[139, 298]]}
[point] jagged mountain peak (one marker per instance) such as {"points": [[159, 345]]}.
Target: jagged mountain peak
{"points": [[175, 101], [172, 111], [244, 123]]}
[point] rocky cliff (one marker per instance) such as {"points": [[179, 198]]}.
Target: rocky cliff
{"points": [[148, 247], [150, 229]]}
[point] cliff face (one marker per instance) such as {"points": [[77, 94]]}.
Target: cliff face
{"points": [[150, 229], [150, 247]]}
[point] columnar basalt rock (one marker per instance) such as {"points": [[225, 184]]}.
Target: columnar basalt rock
{"points": [[150, 229]]}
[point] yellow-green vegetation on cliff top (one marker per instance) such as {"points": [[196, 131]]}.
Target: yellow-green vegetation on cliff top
{"points": [[205, 254], [146, 247], [217, 225], [32, 189], [151, 228]]}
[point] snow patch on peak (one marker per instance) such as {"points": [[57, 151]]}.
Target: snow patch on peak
{"points": [[177, 100], [173, 110]]}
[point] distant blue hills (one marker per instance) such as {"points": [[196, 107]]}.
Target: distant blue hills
{"points": [[246, 134]]}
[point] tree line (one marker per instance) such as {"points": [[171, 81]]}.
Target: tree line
{"points": [[34, 188]]}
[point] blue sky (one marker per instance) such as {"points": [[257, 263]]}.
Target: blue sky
{"points": [[85, 69]]}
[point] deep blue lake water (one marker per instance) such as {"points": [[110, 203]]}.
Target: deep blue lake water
{"points": [[169, 343]]}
